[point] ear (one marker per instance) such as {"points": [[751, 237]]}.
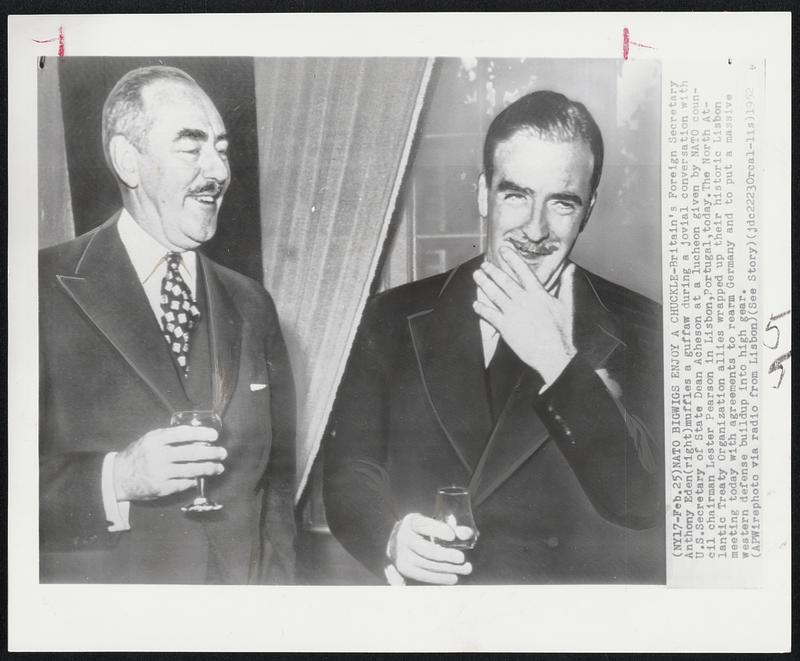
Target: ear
{"points": [[588, 211], [483, 196], [124, 160]]}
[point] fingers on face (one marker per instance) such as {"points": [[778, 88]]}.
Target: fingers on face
{"points": [[503, 280], [520, 269], [492, 288]]}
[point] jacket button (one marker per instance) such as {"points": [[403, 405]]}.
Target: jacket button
{"points": [[552, 542]]}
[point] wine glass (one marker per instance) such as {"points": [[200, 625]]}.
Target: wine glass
{"points": [[453, 507], [197, 418]]}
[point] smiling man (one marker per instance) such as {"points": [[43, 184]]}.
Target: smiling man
{"points": [[519, 375], [136, 326]]}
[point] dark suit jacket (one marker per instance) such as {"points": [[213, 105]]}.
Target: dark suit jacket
{"points": [[567, 487], [106, 378]]}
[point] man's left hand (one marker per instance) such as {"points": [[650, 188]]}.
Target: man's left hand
{"points": [[536, 325]]}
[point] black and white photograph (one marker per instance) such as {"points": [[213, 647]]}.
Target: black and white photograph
{"points": [[499, 421], [344, 341]]}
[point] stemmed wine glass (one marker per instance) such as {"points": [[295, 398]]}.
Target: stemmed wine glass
{"points": [[453, 507], [198, 418]]}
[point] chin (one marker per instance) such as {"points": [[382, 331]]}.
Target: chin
{"points": [[202, 231]]}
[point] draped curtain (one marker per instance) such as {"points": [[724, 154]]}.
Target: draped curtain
{"points": [[334, 138], [55, 202]]}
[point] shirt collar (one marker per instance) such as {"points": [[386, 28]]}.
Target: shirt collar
{"points": [[147, 254]]}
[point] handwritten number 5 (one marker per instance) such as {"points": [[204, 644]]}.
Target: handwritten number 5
{"points": [[777, 364], [771, 326]]}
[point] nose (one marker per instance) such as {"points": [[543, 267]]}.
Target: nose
{"points": [[536, 228], [214, 165]]}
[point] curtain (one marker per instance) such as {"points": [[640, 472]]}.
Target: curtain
{"points": [[334, 138], [55, 201]]}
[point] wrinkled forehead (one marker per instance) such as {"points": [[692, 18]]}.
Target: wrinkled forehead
{"points": [[180, 102]]}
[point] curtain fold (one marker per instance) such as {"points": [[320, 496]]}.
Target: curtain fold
{"points": [[55, 202], [334, 137]]}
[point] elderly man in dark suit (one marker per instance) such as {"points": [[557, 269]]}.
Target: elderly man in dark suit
{"points": [[135, 325], [519, 375]]}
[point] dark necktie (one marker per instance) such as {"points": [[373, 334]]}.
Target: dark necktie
{"points": [[501, 376], [180, 313]]}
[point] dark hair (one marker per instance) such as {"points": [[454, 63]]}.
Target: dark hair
{"points": [[124, 112], [549, 115]]}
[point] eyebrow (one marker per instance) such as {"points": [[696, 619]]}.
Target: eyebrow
{"points": [[505, 186], [198, 134]]}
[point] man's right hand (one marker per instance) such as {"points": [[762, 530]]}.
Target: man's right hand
{"points": [[165, 461], [418, 558]]}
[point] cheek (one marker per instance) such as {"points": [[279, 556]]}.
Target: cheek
{"points": [[566, 228], [506, 218]]}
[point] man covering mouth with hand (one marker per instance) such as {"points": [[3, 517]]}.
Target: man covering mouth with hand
{"points": [[518, 375]]}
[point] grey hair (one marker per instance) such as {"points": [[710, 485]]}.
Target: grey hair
{"points": [[124, 111]]}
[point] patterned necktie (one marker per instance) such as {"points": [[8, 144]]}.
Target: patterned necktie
{"points": [[180, 314]]}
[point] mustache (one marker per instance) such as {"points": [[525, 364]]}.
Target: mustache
{"points": [[208, 188], [546, 247]]}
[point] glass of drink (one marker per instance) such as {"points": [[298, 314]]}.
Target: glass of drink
{"points": [[453, 507], [199, 419]]}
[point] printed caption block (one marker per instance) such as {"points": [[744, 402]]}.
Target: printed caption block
{"points": [[711, 232]]}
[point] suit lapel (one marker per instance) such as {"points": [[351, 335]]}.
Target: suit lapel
{"points": [[224, 334], [105, 286], [596, 330], [519, 431], [449, 352]]}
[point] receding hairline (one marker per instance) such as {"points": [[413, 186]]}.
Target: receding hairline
{"points": [[167, 89], [164, 85]]}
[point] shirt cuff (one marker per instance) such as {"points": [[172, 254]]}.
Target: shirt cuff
{"points": [[117, 512], [393, 577]]}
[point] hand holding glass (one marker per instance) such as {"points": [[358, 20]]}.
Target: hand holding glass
{"points": [[199, 419], [453, 507]]}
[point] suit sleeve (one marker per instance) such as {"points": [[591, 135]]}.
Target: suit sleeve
{"points": [[278, 522], [357, 492], [611, 433]]}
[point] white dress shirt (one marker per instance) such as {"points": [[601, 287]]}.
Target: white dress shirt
{"points": [[149, 261], [489, 334]]}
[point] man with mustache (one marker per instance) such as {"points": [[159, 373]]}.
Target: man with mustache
{"points": [[136, 325], [519, 375]]}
